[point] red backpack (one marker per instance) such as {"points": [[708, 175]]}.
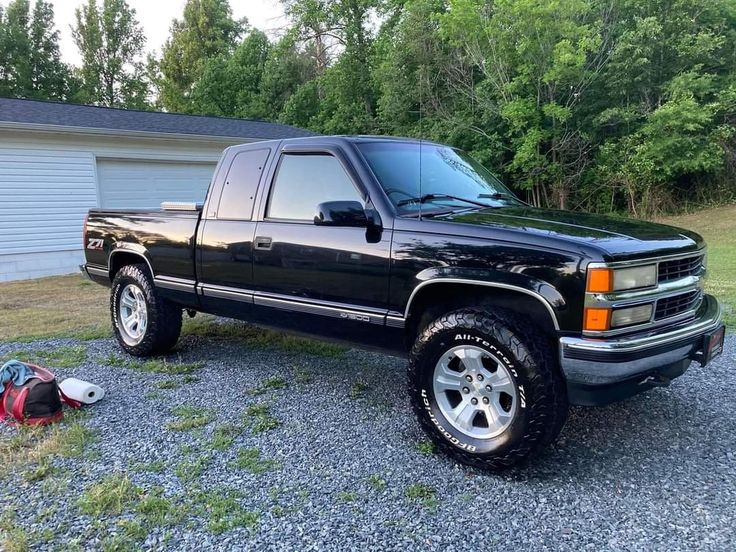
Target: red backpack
{"points": [[37, 402]]}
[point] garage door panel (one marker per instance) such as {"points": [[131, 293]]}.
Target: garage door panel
{"points": [[145, 184], [44, 195]]}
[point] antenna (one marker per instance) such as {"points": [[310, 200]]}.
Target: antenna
{"points": [[421, 137]]}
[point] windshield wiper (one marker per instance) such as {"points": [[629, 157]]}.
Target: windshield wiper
{"points": [[496, 195], [429, 197]]}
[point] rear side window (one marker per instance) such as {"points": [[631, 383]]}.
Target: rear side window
{"points": [[241, 184], [304, 181]]}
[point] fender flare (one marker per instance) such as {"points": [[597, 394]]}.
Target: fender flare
{"points": [[132, 249], [537, 294]]}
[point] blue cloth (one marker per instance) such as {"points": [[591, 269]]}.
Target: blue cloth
{"points": [[15, 371]]}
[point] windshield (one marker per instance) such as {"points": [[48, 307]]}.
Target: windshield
{"points": [[450, 179]]}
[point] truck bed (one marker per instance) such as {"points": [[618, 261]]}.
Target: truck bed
{"points": [[167, 238]]}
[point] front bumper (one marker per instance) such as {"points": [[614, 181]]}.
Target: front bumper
{"points": [[601, 371]]}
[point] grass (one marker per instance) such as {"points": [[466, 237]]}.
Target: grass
{"points": [[376, 482], [12, 537], [718, 227], [60, 357], [157, 510], [60, 306], [224, 436], [270, 384], [425, 447], [189, 470], [423, 494], [347, 496], [189, 417], [222, 510], [156, 466], [259, 419], [358, 389], [34, 447], [153, 366], [110, 496], [249, 459]]}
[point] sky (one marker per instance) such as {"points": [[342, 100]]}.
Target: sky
{"points": [[155, 16]]}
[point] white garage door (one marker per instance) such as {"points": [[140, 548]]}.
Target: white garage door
{"points": [[132, 184]]}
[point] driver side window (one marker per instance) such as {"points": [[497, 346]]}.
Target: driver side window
{"points": [[305, 180]]}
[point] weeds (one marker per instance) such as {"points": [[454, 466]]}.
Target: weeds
{"points": [[189, 417], [259, 419], [110, 496], [250, 460]]}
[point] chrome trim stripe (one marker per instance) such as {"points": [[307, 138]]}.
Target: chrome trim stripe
{"points": [[709, 320], [123, 250], [91, 270], [345, 314], [334, 310], [393, 321], [224, 292], [480, 283], [648, 260], [177, 284]]}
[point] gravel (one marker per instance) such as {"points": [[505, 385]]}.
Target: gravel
{"points": [[656, 472]]}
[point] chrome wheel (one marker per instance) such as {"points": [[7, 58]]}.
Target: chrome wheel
{"points": [[475, 392], [132, 314]]}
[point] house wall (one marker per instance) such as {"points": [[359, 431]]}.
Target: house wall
{"points": [[48, 181]]}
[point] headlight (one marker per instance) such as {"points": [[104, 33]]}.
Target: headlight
{"points": [[631, 315], [606, 280]]}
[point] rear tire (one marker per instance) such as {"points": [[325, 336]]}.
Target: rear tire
{"points": [[144, 323], [486, 387]]}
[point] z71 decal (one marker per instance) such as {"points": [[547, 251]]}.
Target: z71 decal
{"points": [[95, 243]]}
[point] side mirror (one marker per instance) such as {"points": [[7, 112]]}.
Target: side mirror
{"points": [[341, 213]]}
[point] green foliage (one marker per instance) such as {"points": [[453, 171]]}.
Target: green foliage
{"points": [[111, 44], [609, 106], [206, 32], [31, 64]]}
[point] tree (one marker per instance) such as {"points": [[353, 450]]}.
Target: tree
{"points": [[16, 78], [29, 48], [231, 86], [47, 70], [207, 31], [111, 43]]}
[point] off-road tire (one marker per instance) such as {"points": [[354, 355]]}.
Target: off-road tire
{"points": [[164, 318], [529, 358]]}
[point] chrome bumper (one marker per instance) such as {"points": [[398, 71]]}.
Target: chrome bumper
{"points": [[600, 362]]}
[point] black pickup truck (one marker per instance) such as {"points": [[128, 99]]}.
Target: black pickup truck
{"points": [[508, 313]]}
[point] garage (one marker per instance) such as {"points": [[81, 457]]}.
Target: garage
{"points": [[126, 184], [58, 160]]}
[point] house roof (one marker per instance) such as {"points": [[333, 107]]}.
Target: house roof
{"points": [[58, 114]]}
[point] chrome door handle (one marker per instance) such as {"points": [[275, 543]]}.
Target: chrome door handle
{"points": [[263, 243]]}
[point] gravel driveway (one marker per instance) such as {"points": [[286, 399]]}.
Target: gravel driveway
{"points": [[272, 448]]}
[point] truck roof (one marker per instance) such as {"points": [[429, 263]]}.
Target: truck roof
{"points": [[342, 138]]}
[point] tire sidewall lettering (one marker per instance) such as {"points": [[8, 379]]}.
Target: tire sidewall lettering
{"points": [[438, 421]]}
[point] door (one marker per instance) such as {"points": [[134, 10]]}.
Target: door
{"points": [[325, 272], [226, 233], [139, 184]]}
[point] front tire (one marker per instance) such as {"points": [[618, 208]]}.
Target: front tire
{"points": [[144, 323], [486, 387]]}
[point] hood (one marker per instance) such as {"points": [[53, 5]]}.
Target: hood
{"points": [[617, 238]]}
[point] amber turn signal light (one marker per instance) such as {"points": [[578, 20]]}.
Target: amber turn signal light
{"points": [[597, 320], [600, 280]]}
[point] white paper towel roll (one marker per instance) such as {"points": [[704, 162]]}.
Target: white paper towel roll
{"points": [[82, 391]]}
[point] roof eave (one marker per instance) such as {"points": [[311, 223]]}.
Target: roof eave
{"points": [[42, 127]]}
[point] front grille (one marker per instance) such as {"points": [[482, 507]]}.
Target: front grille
{"points": [[678, 304], [680, 268]]}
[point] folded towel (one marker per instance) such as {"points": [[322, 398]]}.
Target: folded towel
{"points": [[15, 371]]}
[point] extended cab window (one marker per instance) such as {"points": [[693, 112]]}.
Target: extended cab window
{"points": [[241, 183], [304, 181]]}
